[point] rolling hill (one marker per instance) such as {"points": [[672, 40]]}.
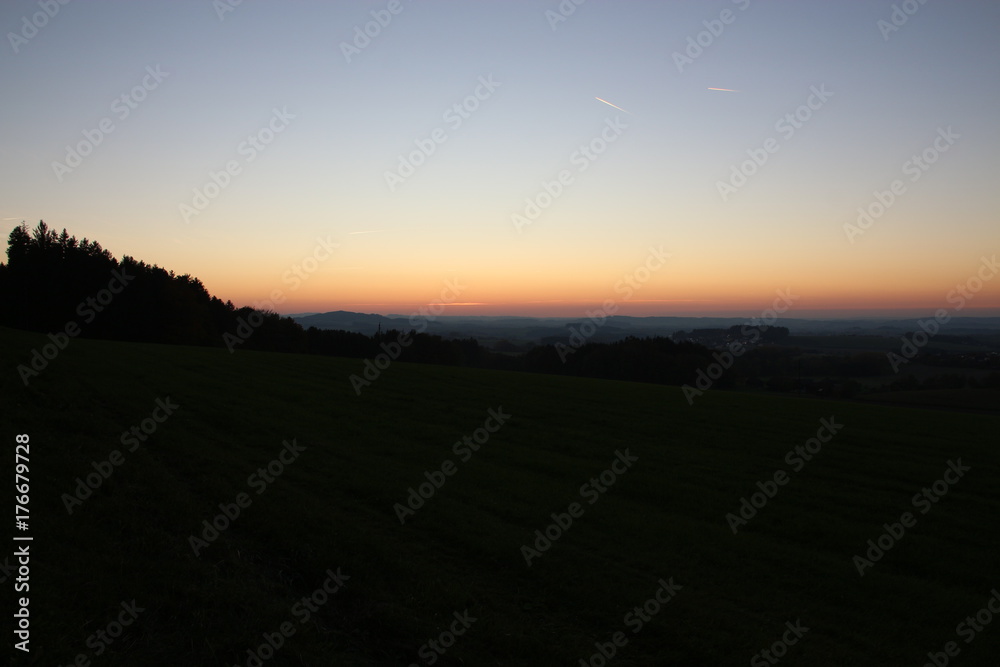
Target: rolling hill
{"points": [[455, 516]]}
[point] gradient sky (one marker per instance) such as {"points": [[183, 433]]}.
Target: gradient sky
{"points": [[656, 185]]}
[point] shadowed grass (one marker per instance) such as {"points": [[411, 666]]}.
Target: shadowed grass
{"points": [[333, 507]]}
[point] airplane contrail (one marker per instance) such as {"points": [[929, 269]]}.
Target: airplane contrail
{"points": [[371, 231], [728, 90], [612, 105]]}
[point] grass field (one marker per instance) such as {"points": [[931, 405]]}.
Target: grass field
{"points": [[955, 399], [332, 506]]}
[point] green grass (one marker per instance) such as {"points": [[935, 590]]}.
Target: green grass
{"points": [[333, 507], [955, 399]]}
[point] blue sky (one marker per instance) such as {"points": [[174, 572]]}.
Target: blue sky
{"points": [[345, 124]]}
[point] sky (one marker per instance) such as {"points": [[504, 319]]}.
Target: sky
{"points": [[519, 158]]}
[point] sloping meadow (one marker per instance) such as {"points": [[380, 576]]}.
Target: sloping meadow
{"points": [[192, 506]]}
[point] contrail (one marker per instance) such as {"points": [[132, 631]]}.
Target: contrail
{"points": [[728, 90], [612, 105], [371, 231]]}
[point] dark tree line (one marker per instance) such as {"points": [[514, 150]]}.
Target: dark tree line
{"points": [[52, 279]]}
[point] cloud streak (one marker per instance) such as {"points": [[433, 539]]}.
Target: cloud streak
{"points": [[613, 105]]}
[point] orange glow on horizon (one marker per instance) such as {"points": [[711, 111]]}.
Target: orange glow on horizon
{"points": [[566, 286]]}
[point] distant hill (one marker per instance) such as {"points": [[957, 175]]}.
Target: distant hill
{"points": [[354, 322], [536, 330]]}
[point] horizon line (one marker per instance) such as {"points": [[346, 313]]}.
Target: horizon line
{"points": [[811, 314]]}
